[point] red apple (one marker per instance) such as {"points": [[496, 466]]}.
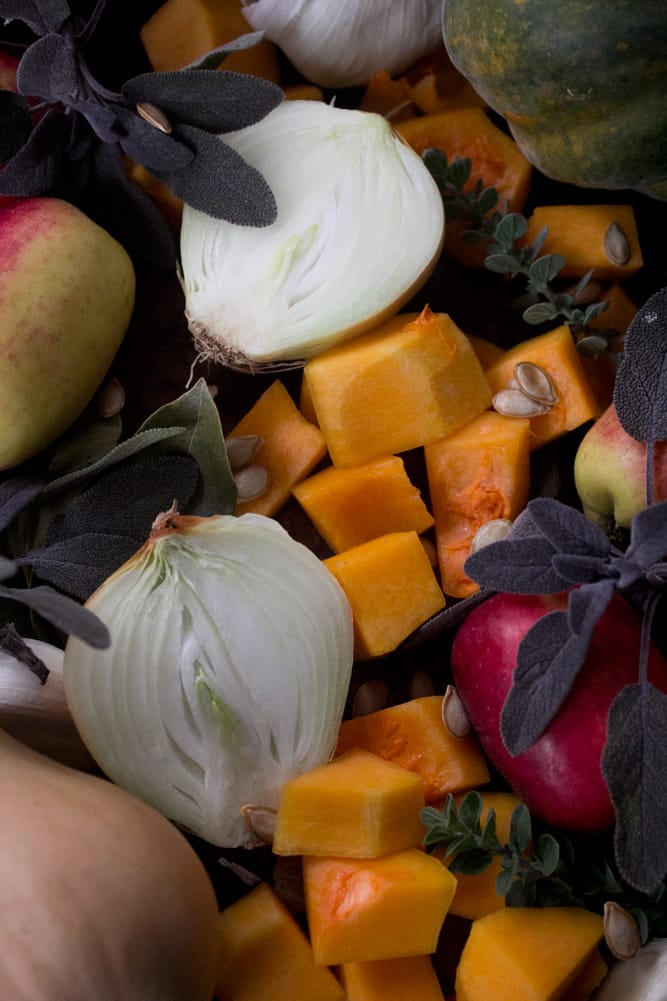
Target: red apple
{"points": [[559, 776], [610, 473]]}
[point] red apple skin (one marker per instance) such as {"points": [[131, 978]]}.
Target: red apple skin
{"points": [[559, 777], [610, 472]]}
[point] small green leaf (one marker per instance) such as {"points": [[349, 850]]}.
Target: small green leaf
{"points": [[521, 830], [503, 264], [547, 852], [458, 172], [540, 312], [544, 269]]}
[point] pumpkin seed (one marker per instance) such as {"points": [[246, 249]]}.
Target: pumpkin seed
{"points": [[242, 449], [491, 531], [616, 245], [251, 482], [261, 821], [515, 403], [535, 383], [454, 714], [370, 697], [111, 398], [421, 685], [621, 931], [154, 116]]}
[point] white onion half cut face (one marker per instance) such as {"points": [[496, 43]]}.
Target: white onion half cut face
{"points": [[359, 228]]}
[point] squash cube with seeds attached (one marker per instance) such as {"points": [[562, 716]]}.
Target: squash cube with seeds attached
{"points": [[383, 908], [391, 587], [411, 380], [355, 805]]}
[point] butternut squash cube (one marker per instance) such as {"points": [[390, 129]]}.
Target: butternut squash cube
{"points": [[266, 956], [588, 979], [412, 734], [391, 587], [291, 447], [556, 353], [411, 978], [356, 805], [181, 31], [526, 953], [477, 474], [412, 380], [383, 908], [589, 236], [350, 505], [476, 894]]}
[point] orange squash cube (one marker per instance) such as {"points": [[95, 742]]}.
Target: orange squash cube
{"points": [[556, 353], [291, 447], [181, 31], [580, 233], [526, 953], [356, 805], [588, 979], [411, 978], [477, 474], [412, 734], [352, 504], [391, 587], [383, 908], [412, 380], [266, 956]]}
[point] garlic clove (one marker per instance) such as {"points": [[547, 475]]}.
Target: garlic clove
{"points": [[37, 713]]}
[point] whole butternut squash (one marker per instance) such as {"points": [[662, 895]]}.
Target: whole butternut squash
{"points": [[101, 897]]}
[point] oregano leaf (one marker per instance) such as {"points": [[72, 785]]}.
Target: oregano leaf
{"points": [[540, 312], [634, 765], [544, 269], [521, 828], [640, 390]]}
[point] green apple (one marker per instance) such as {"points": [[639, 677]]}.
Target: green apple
{"points": [[67, 291], [610, 473]]}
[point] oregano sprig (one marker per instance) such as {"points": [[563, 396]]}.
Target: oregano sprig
{"points": [[508, 253], [537, 868]]}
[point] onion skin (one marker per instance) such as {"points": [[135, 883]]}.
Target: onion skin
{"points": [[100, 896]]}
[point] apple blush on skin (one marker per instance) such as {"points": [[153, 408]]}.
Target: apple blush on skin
{"points": [[559, 777]]}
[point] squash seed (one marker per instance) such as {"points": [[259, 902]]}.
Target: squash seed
{"points": [[494, 530], [515, 403], [251, 482], [535, 383], [616, 245], [154, 116], [454, 714], [260, 820], [242, 449], [370, 697], [621, 931], [111, 398]]}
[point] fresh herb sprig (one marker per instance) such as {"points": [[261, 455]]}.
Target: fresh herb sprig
{"points": [[537, 868], [508, 253]]}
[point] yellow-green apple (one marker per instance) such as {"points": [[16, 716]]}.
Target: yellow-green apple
{"points": [[559, 777], [67, 291], [610, 473]]}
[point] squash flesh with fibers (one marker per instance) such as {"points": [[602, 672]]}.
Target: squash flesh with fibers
{"points": [[265, 955], [413, 735], [480, 473], [526, 953], [357, 805], [357, 909], [582, 85], [350, 505], [556, 353], [391, 587], [100, 895], [412, 380]]}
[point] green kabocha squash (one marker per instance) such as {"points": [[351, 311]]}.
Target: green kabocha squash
{"points": [[581, 83]]}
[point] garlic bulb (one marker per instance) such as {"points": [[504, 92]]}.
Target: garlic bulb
{"points": [[360, 226], [641, 978], [227, 673], [344, 44]]}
